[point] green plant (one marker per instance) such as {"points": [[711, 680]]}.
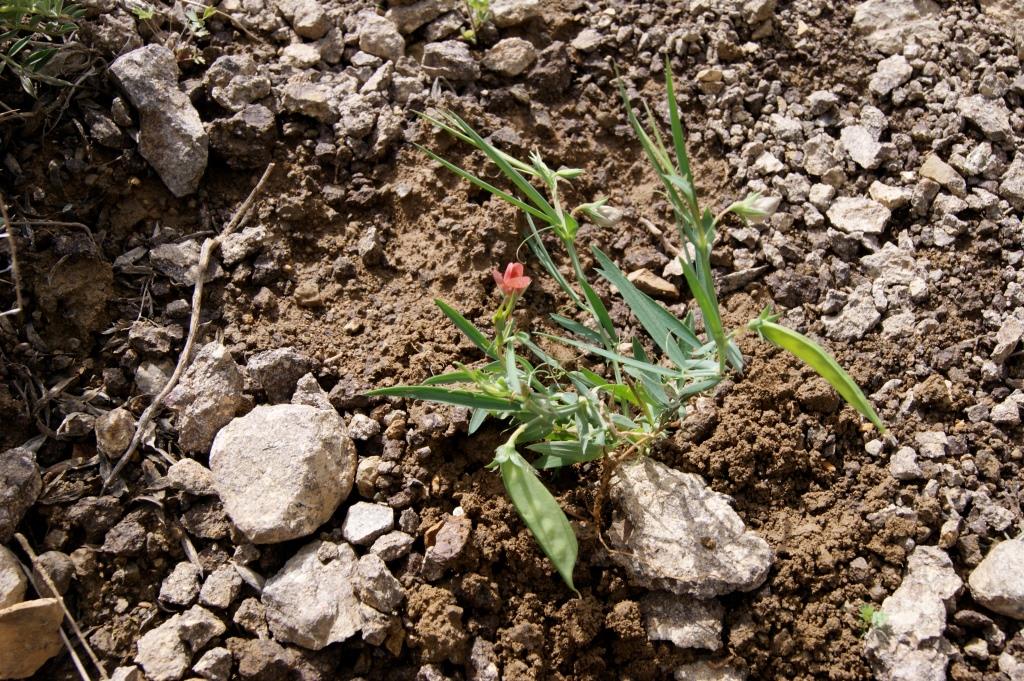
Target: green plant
{"points": [[871, 618], [31, 33], [479, 13], [635, 390]]}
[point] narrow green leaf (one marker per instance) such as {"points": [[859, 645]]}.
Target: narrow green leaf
{"points": [[477, 419], [540, 511], [462, 398], [467, 327], [616, 357], [575, 327], [822, 362], [564, 453], [708, 307], [511, 370], [678, 136]]}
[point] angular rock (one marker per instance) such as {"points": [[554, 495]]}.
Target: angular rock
{"points": [[307, 17], [380, 37], [858, 215], [709, 671], [890, 74], [246, 139], [364, 522], [309, 99], [393, 545], [998, 581], [188, 475], [450, 59], [214, 665], [171, 134], [221, 588], [309, 392], [234, 82], [990, 115], [238, 246], [587, 40], [12, 580], [936, 169], [1009, 335], [653, 285], [60, 569], [282, 470], [181, 587], [114, 431], [911, 644], [376, 586], [686, 622], [892, 198], [207, 397], [29, 636], [862, 146], [679, 535], [277, 371], [180, 262], [1011, 187], [510, 57], [887, 24], [857, 317], [449, 543], [20, 485], [311, 601], [506, 13], [165, 653], [903, 465], [409, 17]]}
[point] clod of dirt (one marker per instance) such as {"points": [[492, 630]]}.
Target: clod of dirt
{"points": [[277, 371], [29, 636], [437, 631], [20, 484], [686, 622], [677, 534], [311, 601], [207, 397], [910, 644], [171, 134], [998, 581], [282, 470]]}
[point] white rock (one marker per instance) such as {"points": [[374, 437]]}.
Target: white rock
{"points": [[282, 470], [890, 197], [221, 588], [888, 24], [181, 586], [506, 13], [936, 169], [311, 601], [379, 36], [364, 522], [510, 57], [1012, 186], [362, 427], [1011, 666], [451, 60], [862, 146], [207, 397], [990, 115], [12, 580], [709, 671], [234, 82], [392, 545], [165, 653], [903, 465], [376, 586], [858, 215], [188, 475], [214, 665], [307, 17], [890, 74], [1006, 413], [1007, 338], [686, 622], [998, 581], [171, 134], [910, 644], [21, 485], [857, 317], [683, 537]]}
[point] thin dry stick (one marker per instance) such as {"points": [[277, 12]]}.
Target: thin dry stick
{"points": [[197, 300], [14, 260], [60, 599]]}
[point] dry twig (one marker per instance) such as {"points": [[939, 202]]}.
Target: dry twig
{"points": [[8, 232], [209, 245]]}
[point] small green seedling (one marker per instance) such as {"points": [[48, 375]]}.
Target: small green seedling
{"points": [[871, 618], [625, 391], [31, 34], [479, 13]]}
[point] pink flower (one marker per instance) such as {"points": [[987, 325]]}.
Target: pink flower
{"points": [[512, 282]]}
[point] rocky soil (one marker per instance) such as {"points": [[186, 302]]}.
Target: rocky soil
{"points": [[276, 523]]}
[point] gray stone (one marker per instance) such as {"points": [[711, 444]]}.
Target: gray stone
{"points": [[682, 536], [888, 24], [214, 665], [309, 392], [510, 57], [245, 140], [207, 397], [483, 662], [1012, 186], [165, 653], [855, 319], [364, 522], [587, 40], [990, 115], [903, 465], [29, 636], [181, 587], [20, 485], [180, 262], [506, 13], [709, 671], [998, 581], [376, 586], [12, 580], [58, 567], [890, 74], [308, 17], [686, 622], [188, 475], [282, 470], [936, 169], [238, 246], [171, 134], [393, 545], [379, 36], [1009, 335], [300, 55], [309, 99], [1011, 666], [892, 198], [1006, 413], [910, 643], [277, 371], [234, 82], [409, 17], [819, 155], [862, 146], [362, 427], [858, 215], [311, 601], [221, 588], [451, 60], [449, 543], [131, 673]]}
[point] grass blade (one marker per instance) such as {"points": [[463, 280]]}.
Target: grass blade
{"points": [[467, 327], [461, 398]]}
